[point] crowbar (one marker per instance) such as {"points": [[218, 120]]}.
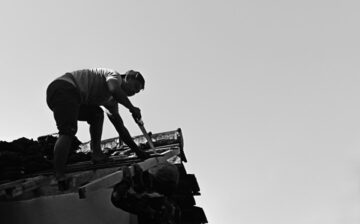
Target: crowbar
{"points": [[142, 128]]}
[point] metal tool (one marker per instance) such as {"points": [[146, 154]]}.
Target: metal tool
{"points": [[142, 128]]}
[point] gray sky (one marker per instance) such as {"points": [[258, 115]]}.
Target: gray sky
{"points": [[266, 92]]}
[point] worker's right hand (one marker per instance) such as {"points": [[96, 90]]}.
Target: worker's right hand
{"points": [[136, 113]]}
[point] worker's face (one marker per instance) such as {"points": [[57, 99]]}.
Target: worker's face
{"points": [[132, 87]]}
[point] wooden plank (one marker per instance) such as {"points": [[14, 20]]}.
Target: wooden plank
{"points": [[115, 160], [19, 187], [11, 184], [114, 178], [88, 165]]}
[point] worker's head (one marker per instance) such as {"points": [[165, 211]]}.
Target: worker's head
{"points": [[134, 82]]}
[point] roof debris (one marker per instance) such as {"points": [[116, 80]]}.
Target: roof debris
{"points": [[26, 172]]}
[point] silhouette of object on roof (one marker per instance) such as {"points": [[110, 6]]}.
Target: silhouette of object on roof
{"points": [[26, 169]]}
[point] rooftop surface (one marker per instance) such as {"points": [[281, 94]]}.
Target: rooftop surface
{"points": [[23, 179]]}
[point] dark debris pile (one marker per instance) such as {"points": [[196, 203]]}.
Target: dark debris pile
{"points": [[24, 156]]}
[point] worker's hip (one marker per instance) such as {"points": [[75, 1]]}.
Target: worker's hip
{"points": [[61, 92], [64, 100]]}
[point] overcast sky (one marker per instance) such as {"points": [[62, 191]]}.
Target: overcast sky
{"points": [[265, 92]]}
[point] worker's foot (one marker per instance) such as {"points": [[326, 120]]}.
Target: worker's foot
{"points": [[142, 155], [63, 183], [102, 158]]}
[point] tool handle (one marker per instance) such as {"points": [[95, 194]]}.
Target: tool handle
{"points": [[148, 138], [139, 122]]}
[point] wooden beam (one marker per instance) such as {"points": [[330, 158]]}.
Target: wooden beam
{"points": [[114, 178], [19, 187]]}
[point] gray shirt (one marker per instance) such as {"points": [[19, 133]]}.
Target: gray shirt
{"points": [[93, 86]]}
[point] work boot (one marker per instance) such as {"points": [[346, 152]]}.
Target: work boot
{"points": [[64, 183], [100, 159]]}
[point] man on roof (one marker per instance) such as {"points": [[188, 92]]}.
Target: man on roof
{"points": [[78, 95]]}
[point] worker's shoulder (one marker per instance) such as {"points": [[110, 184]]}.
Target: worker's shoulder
{"points": [[104, 71], [96, 71]]}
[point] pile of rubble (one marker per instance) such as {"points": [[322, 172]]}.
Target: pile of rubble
{"points": [[26, 156]]}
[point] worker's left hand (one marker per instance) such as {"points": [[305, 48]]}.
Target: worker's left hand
{"points": [[136, 113]]}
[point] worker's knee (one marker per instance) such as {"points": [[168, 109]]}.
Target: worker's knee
{"points": [[69, 130], [93, 115], [96, 116]]}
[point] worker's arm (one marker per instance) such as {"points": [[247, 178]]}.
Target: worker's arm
{"points": [[124, 134], [120, 96]]}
